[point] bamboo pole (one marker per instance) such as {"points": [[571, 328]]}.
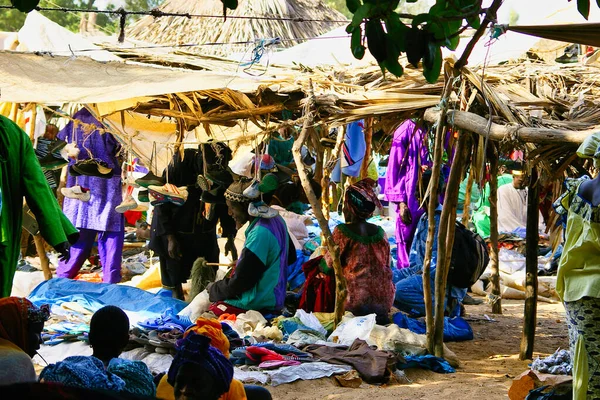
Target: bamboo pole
{"points": [[531, 268], [431, 207], [496, 297], [340, 289], [40, 248], [446, 240]]}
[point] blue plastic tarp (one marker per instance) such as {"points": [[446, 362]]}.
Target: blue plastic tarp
{"points": [[94, 296], [455, 329]]}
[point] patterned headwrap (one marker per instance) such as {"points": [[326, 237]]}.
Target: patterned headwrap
{"points": [[212, 329], [15, 315], [235, 191], [196, 349], [361, 199]]}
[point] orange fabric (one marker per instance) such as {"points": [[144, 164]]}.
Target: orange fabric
{"points": [[211, 328], [236, 391], [13, 320], [227, 317]]}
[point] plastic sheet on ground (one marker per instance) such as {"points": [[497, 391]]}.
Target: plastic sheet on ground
{"points": [[353, 328], [137, 303], [54, 354], [306, 371], [310, 321], [455, 329], [250, 376]]}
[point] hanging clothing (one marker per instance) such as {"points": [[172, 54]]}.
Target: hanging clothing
{"points": [[98, 215], [512, 209], [481, 217], [319, 289], [21, 176], [353, 152], [281, 150], [366, 264], [408, 153], [260, 278]]}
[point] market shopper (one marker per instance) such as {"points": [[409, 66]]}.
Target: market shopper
{"points": [[181, 234], [259, 280], [409, 281], [21, 325], [578, 279], [21, 177], [512, 204], [364, 254]]}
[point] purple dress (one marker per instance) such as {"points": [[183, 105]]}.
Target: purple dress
{"points": [[407, 155], [96, 217]]}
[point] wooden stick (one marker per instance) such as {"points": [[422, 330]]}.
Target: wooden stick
{"points": [[431, 207], [364, 168], [32, 121], [220, 264], [479, 125], [446, 240], [494, 266], [40, 248], [467, 204], [531, 268], [340, 289]]}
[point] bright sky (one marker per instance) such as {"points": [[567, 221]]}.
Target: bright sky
{"points": [[534, 12]]}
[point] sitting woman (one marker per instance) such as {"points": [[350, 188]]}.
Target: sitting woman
{"points": [[109, 334], [21, 325], [259, 280], [364, 254]]}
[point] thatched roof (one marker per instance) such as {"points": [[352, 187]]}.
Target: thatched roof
{"points": [[180, 30]]}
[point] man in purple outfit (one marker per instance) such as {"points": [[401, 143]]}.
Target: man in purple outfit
{"points": [[407, 155], [96, 217]]}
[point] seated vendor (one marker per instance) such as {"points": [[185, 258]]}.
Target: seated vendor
{"points": [[21, 325], [364, 254], [259, 279], [512, 204], [409, 281]]}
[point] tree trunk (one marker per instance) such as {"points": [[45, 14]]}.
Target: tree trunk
{"points": [[467, 204], [531, 268], [40, 248], [495, 277], [446, 241], [340, 289], [364, 169]]}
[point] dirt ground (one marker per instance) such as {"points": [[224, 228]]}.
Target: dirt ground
{"points": [[489, 362]]}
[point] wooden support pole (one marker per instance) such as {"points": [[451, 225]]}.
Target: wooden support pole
{"points": [[31, 132], [364, 169], [431, 207], [479, 125], [531, 267], [40, 248], [446, 240], [495, 277], [334, 251]]}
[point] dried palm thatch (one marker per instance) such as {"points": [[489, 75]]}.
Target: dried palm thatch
{"points": [[318, 17]]}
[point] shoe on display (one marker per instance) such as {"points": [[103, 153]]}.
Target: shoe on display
{"points": [[202, 183], [168, 193], [76, 192], [262, 210], [150, 180], [128, 204], [93, 167], [214, 196], [143, 196], [252, 191]]}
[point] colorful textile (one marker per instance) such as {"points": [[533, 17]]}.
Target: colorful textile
{"points": [[110, 249], [353, 152], [136, 375], [579, 269], [21, 176], [366, 264], [319, 290], [212, 329], [82, 372], [361, 199], [408, 153], [455, 329], [16, 314], [196, 349], [583, 318], [427, 361], [260, 278], [281, 150], [99, 213]]}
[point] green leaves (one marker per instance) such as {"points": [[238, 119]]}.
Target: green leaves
{"points": [[25, 5], [376, 40], [432, 62], [583, 6], [356, 44], [353, 5]]}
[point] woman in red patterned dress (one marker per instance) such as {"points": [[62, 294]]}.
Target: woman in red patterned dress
{"points": [[364, 254]]}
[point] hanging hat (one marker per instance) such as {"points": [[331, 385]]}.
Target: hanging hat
{"points": [[235, 191]]}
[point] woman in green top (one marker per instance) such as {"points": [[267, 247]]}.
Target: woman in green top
{"points": [[578, 281]]}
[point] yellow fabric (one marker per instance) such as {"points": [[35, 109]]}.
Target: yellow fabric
{"points": [[580, 371], [150, 279], [236, 390], [211, 328], [579, 270]]}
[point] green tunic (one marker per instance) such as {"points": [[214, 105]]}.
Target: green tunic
{"points": [[21, 176]]}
